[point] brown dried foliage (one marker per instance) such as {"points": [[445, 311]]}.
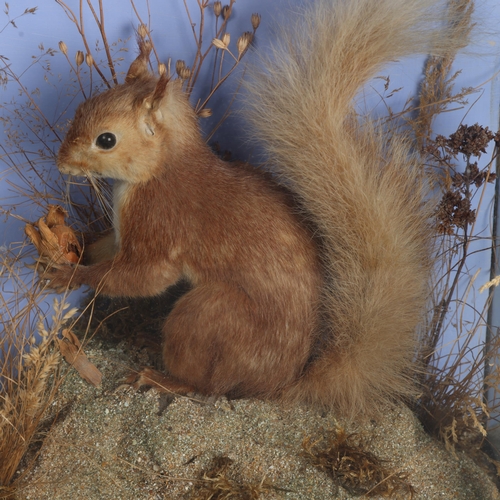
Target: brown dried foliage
{"points": [[455, 210], [216, 483], [437, 90], [54, 240], [452, 404], [30, 374], [72, 352], [345, 457]]}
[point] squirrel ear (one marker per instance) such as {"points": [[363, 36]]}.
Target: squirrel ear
{"points": [[139, 68], [153, 100]]}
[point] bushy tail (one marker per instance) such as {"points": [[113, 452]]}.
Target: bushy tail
{"points": [[360, 185]]}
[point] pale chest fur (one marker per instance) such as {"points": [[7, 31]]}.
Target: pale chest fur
{"points": [[121, 190]]}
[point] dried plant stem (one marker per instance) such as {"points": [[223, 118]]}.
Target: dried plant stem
{"points": [[78, 75], [440, 313], [201, 56], [81, 30], [201, 106], [141, 22], [100, 23], [29, 96], [11, 21], [216, 56]]}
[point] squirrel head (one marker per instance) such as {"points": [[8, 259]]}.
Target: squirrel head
{"points": [[132, 131]]}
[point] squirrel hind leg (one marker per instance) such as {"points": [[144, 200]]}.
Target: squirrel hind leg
{"points": [[218, 340]]}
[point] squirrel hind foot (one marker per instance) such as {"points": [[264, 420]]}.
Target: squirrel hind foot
{"points": [[149, 377], [166, 386]]}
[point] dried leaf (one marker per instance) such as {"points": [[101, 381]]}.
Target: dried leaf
{"points": [[55, 215], [72, 352], [50, 242], [67, 242], [53, 239], [34, 236]]}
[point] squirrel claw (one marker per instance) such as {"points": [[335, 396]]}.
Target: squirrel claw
{"points": [[59, 278], [149, 377]]}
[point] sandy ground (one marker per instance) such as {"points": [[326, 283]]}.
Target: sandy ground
{"points": [[121, 444]]}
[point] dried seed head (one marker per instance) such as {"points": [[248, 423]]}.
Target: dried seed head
{"points": [[219, 44], [243, 42], [63, 48], [89, 60], [217, 8], [162, 69], [79, 58], [184, 73], [255, 21], [142, 31], [226, 12], [179, 66], [205, 113], [226, 39]]}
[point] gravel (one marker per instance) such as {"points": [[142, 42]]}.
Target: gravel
{"points": [[112, 442]]}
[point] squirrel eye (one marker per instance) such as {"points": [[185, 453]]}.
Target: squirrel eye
{"points": [[106, 141]]}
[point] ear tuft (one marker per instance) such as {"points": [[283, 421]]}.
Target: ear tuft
{"points": [[139, 68], [154, 99]]}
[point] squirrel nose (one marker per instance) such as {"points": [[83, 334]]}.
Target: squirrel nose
{"points": [[64, 168], [68, 169]]}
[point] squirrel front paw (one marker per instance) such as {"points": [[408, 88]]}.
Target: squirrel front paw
{"points": [[60, 278]]}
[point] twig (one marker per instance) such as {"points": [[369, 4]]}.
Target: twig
{"points": [[100, 23], [81, 31]]}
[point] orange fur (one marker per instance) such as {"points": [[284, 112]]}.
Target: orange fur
{"points": [[313, 296]]}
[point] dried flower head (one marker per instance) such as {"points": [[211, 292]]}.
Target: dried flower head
{"points": [[255, 21], [219, 44], [184, 73], [205, 113], [217, 8], [142, 31], [470, 140], [63, 47], [226, 12], [226, 39], [162, 69], [454, 211], [79, 58], [89, 60], [179, 65], [243, 42]]}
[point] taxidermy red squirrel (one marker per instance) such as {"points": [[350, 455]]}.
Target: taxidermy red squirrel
{"points": [[311, 292]]}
